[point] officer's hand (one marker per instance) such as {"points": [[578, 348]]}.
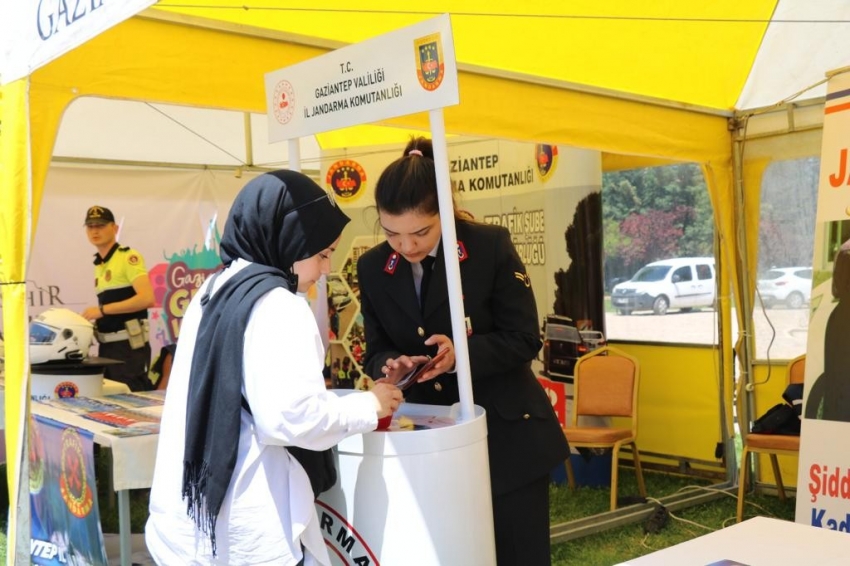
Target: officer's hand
{"points": [[396, 368], [446, 354], [92, 313]]}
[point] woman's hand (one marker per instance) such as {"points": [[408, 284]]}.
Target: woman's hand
{"points": [[387, 398]]}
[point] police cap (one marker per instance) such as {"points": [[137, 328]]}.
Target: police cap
{"points": [[99, 215]]}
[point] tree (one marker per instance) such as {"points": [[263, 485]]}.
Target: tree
{"points": [[654, 235], [654, 213]]}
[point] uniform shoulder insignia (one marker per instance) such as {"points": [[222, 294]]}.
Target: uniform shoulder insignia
{"points": [[523, 277], [133, 259], [461, 251], [392, 263], [124, 249]]}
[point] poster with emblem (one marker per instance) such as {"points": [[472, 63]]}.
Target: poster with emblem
{"points": [[65, 522], [546, 196]]}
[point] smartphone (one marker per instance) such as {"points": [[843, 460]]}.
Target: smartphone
{"points": [[414, 374]]}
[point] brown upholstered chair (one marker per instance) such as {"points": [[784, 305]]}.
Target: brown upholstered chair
{"points": [[770, 444], [606, 383]]}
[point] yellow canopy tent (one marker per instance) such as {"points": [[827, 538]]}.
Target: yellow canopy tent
{"points": [[659, 80]]}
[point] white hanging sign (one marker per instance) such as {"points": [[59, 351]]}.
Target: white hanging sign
{"points": [[409, 70], [34, 32]]}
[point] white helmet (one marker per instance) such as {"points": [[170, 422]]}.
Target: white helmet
{"points": [[59, 334]]}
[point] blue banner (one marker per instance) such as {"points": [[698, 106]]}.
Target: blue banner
{"points": [[65, 526]]}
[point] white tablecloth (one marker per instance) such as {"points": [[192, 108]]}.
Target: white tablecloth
{"points": [[132, 457], [109, 388], [759, 541]]}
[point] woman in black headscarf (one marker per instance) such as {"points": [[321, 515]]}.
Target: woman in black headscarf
{"points": [[247, 383]]}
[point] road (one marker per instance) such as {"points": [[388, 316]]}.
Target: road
{"points": [[789, 327]]}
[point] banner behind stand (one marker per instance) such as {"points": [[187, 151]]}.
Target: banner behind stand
{"points": [[497, 182], [173, 217], [823, 490]]}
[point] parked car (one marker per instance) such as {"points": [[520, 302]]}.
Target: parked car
{"points": [[791, 286], [562, 346], [684, 283], [593, 338]]}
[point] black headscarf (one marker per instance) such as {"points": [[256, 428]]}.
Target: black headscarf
{"points": [[277, 219]]}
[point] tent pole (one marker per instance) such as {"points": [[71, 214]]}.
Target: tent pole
{"points": [[743, 291], [295, 154], [249, 140]]}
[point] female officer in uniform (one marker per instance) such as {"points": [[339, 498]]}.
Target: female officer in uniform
{"points": [[525, 440]]}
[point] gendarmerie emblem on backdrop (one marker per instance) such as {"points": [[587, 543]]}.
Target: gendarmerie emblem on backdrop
{"points": [[546, 157], [346, 179]]}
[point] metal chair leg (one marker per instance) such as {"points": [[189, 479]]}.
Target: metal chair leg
{"points": [[742, 482], [774, 462], [615, 469], [571, 480], [638, 470]]}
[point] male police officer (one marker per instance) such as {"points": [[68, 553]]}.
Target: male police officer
{"points": [[124, 293]]}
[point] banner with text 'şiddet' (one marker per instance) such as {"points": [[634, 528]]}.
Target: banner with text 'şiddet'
{"points": [[823, 490]]}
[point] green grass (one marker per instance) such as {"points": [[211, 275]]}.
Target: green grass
{"points": [[630, 541], [603, 549]]}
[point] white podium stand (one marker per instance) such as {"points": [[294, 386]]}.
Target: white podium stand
{"points": [[413, 496], [72, 378]]}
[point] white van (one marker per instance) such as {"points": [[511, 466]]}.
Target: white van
{"points": [[683, 283]]}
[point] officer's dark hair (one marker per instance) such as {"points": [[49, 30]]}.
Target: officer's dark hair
{"points": [[410, 182]]}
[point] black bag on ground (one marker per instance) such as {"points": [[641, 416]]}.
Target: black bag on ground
{"points": [[780, 419]]}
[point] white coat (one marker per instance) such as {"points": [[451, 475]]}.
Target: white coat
{"points": [[268, 511]]}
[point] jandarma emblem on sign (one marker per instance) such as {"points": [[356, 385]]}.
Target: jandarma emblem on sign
{"points": [[546, 157], [284, 101], [346, 178], [73, 483], [430, 65]]}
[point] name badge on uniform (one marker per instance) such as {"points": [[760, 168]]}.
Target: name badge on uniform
{"points": [[468, 322], [461, 251], [392, 263]]}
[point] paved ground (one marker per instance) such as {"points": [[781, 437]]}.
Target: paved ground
{"points": [[140, 555], [789, 326]]}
